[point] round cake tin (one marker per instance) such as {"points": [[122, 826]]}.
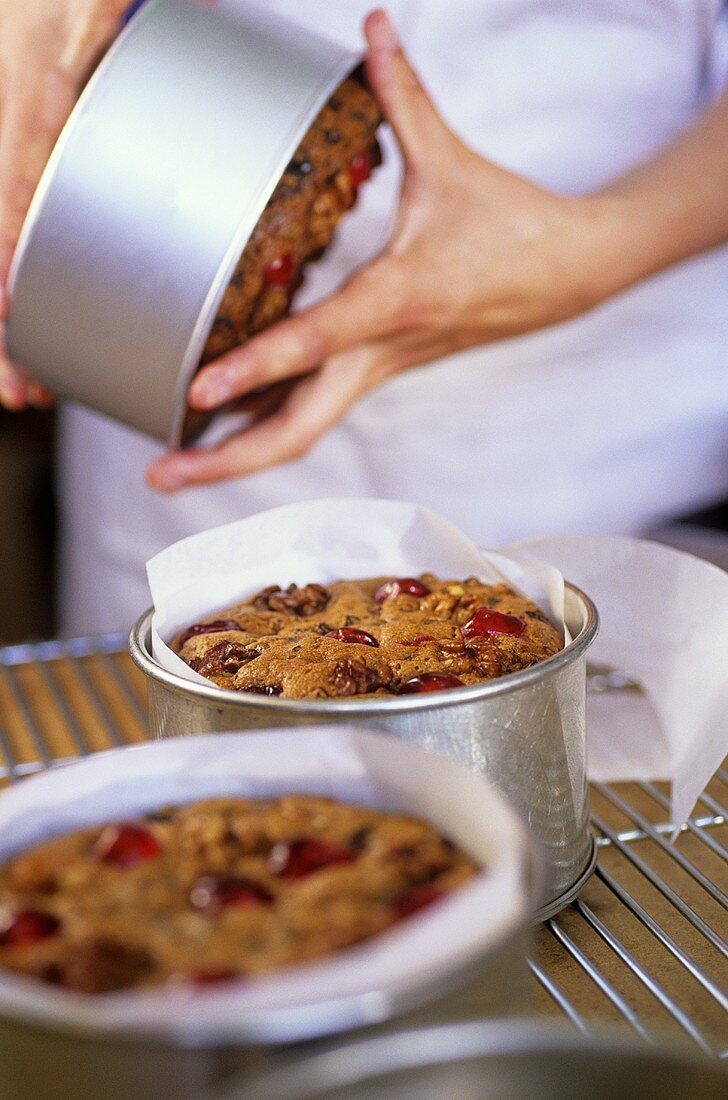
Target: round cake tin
{"points": [[526, 732], [149, 197], [495, 1060], [175, 1042]]}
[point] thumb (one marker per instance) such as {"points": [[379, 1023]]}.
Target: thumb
{"points": [[417, 124]]}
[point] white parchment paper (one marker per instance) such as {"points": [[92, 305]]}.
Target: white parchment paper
{"points": [[663, 614], [664, 625], [350, 986], [323, 541]]}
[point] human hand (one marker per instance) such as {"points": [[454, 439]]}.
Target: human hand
{"points": [[477, 254], [46, 50]]}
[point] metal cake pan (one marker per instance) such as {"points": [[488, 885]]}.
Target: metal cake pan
{"points": [[526, 732], [149, 197]]}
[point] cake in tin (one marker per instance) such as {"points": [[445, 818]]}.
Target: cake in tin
{"points": [[336, 156], [378, 636], [217, 891]]}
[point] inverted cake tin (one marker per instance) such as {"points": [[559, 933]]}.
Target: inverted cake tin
{"points": [[177, 1042], [525, 731], [510, 1059], [149, 198]]}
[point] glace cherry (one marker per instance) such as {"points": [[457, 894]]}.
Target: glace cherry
{"points": [[485, 621], [281, 272], [402, 586], [430, 681], [418, 898], [212, 893], [213, 977], [26, 927], [360, 169], [125, 845], [302, 857], [352, 634]]}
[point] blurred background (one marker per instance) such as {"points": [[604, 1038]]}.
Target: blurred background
{"points": [[27, 548], [28, 526]]}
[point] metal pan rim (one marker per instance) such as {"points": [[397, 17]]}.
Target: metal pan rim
{"points": [[140, 651]]}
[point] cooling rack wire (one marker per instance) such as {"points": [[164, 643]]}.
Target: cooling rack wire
{"points": [[644, 943]]}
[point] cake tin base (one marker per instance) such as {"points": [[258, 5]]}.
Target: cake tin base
{"points": [[557, 904]]}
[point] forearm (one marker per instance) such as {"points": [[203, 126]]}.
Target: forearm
{"points": [[671, 207]]}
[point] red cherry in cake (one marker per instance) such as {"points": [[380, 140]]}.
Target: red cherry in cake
{"points": [[126, 845], [402, 586], [419, 639], [418, 898], [299, 858], [26, 927], [208, 628], [485, 621], [281, 272], [360, 169], [352, 634], [212, 893], [212, 977], [429, 681]]}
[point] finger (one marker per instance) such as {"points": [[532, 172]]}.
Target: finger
{"points": [[39, 397], [17, 391], [417, 124], [314, 405], [363, 310], [265, 402], [13, 388]]}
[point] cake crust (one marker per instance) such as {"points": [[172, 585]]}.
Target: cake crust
{"points": [[370, 636], [221, 889]]}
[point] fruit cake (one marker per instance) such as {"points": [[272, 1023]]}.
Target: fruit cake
{"points": [[217, 890], [320, 183], [374, 636]]}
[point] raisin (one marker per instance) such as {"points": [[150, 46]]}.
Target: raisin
{"points": [[359, 840], [208, 628], [300, 167]]}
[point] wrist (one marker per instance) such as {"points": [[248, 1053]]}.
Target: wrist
{"points": [[615, 249]]}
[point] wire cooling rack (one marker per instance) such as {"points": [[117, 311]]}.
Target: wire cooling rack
{"points": [[644, 943]]}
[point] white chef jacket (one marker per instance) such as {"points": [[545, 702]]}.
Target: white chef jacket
{"points": [[606, 423]]}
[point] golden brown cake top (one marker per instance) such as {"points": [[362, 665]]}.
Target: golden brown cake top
{"points": [[378, 636], [216, 890]]}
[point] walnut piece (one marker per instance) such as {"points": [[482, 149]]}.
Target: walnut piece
{"points": [[352, 676], [305, 601], [224, 659]]}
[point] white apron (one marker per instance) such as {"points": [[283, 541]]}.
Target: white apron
{"points": [[607, 423]]}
